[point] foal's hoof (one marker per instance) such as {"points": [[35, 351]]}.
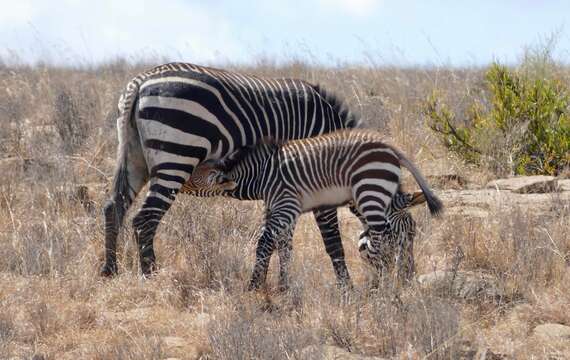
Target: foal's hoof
{"points": [[149, 271], [108, 270], [363, 243], [252, 286]]}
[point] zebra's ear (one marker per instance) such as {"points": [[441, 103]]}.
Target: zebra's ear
{"points": [[210, 164], [417, 198], [228, 162]]}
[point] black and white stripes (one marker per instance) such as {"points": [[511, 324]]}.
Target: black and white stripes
{"points": [[173, 117], [319, 174]]}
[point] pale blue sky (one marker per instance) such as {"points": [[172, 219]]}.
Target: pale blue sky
{"points": [[325, 31]]}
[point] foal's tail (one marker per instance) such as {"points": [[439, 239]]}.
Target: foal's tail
{"points": [[434, 203]]}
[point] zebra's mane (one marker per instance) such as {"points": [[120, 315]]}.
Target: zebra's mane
{"points": [[350, 119]]}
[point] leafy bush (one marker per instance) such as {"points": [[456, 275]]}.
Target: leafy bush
{"points": [[521, 126]]}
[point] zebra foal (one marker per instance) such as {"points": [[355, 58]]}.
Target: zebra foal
{"points": [[316, 174]]}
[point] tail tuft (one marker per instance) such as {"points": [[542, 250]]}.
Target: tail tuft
{"points": [[434, 204]]}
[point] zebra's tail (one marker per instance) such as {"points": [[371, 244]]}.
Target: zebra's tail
{"points": [[128, 169], [434, 203], [130, 175]]}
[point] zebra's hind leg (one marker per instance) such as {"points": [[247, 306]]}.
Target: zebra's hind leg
{"points": [[128, 181], [158, 200], [327, 220]]}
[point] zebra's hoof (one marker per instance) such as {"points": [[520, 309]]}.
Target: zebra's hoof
{"points": [[108, 270], [149, 269], [363, 242]]}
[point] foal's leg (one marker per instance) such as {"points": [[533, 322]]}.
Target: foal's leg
{"points": [[378, 251], [327, 220], [277, 233], [364, 237]]}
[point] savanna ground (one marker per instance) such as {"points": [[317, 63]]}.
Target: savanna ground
{"points": [[57, 151]]}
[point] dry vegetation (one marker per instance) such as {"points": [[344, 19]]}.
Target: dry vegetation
{"points": [[57, 148]]}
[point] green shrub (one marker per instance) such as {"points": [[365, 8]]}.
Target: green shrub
{"points": [[524, 128]]}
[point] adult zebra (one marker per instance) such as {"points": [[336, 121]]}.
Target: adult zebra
{"points": [[177, 115]]}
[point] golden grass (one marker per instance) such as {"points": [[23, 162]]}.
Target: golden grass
{"points": [[57, 132]]}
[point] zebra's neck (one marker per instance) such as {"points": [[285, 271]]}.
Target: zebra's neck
{"points": [[251, 172]]}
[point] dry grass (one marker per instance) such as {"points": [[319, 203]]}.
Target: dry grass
{"points": [[57, 132]]}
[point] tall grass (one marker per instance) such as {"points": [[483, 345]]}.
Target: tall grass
{"points": [[57, 148]]}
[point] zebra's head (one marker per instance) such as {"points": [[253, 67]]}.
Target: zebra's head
{"points": [[208, 180], [398, 242], [237, 175]]}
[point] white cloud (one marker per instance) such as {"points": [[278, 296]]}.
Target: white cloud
{"points": [[361, 8], [90, 31], [15, 12]]}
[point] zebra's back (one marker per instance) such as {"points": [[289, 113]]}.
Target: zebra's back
{"points": [[233, 109], [333, 169]]}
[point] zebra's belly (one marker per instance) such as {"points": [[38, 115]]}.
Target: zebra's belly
{"points": [[333, 196]]}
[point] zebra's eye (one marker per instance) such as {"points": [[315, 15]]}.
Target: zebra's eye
{"points": [[212, 178]]}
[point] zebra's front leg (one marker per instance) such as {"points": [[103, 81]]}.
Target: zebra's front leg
{"points": [[278, 230], [379, 251], [364, 237], [327, 220], [263, 252], [284, 243]]}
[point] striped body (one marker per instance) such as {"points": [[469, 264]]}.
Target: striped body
{"points": [[399, 249], [320, 174], [175, 116]]}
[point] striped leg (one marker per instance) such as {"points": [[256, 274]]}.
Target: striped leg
{"points": [[128, 181], [377, 251], [284, 242], [327, 220], [405, 256], [158, 200], [265, 247], [364, 237], [277, 233]]}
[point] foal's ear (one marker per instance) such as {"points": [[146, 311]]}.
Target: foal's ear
{"points": [[417, 198], [228, 162]]}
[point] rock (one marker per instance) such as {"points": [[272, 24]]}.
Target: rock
{"points": [[172, 342], [467, 212], [175, 346], [447, 181], [564, 185], [329, 352], [552, 332], [479, 202], [538, 184], [466, 285]]}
